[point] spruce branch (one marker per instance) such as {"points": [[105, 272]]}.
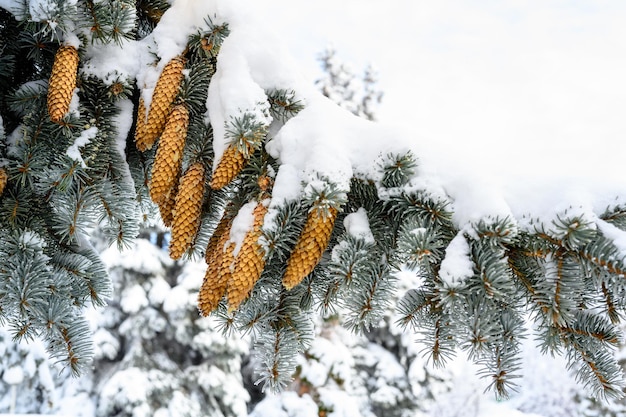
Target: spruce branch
{"points": [[284, 104], [616, 216], [398, 169]]}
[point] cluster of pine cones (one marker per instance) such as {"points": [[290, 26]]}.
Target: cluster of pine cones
{"points": [[180, 198], [231, 271]]}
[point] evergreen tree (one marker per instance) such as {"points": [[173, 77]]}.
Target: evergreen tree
{"points": [[28, 385], [155, 355], [295, 206], [358, 94]]}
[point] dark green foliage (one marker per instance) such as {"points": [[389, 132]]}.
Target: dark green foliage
{"points": [[284, 104], [109, 20], [398, 170], [55, 197]]}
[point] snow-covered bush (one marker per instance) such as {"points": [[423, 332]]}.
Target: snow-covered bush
{"points": [[156, 356]]}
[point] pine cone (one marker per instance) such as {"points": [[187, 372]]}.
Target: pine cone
{"points": [[225, 265], [215, 281], [4, 178], [140, 127], [164, 94], [62, 82], [222, 227], [167, 205], [231, 164], [249, 263], [169, 156], [310, 246], [187, 210]]}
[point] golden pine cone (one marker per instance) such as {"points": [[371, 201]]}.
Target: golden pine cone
{"points": [[187, 210], [310, 246], [169, 156], [164, 94], [4, 178], [249, 263], [222, 227], [231, 164], [140, 127], [216, 278], [62, 82], [167, 205]]}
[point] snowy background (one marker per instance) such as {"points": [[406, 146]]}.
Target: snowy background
{"points": [[526, 98], [537, 83]]}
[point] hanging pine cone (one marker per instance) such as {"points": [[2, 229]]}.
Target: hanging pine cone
{"points": [[217, 277], [215, 282], [187, 210], [310, 246], [226, 263], [164, 94], [169, 156], [4, 178], [62, 82], [166, 207], [140, 127], [249, 263], [222, 227], [231, 164]]}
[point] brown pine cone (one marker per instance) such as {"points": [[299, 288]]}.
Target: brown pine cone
{"points": [[164, 94], [4, 178], [216, 278], [167, 206], [222, 227], [62, 82], [310, 246], [140, 127], [169, 156], [231, 164], [187, 210], [249, 263]]}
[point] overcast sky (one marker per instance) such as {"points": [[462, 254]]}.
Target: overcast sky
{"points": [[544, 81]]}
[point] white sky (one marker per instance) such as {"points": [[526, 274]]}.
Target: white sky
{"points": [[507, 84]]}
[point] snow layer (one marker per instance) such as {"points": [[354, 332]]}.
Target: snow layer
{"points": [[242, 223], [287, 404], [457, 264], [9, 5], [85, 137], [357, 225], [13, 376], [139, 257]]}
